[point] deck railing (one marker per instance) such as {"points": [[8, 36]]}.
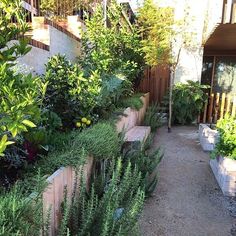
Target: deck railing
{"points": [[217, 106]]}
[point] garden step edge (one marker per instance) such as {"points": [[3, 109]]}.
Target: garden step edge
{"points": [[138, 133]]}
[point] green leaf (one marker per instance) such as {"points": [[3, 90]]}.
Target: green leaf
{"points": [[29, 123]]}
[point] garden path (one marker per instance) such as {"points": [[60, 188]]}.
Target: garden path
{"points": [[187, 200]]}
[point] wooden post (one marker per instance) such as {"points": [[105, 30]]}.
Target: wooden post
{"points": [[234, 106], [205, 111], [213, 73], [32, 9], [210, 110], [222, 107], [216, 107], [228, 104]]}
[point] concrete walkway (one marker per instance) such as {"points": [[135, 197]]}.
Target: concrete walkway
{"points": [[187, 200]]}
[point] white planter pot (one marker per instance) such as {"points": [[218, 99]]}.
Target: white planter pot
{"points": [[208, 137], [224, 170]]}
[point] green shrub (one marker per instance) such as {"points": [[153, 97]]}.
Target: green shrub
{"points": [[71, 93], [226, 145], [188, 101], [113, 49], [101, 141], [153, 117], [113, 89], [20, 94], [146, 162]]}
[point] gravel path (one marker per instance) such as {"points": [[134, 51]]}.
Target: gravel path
{"points": [[187, 200]]}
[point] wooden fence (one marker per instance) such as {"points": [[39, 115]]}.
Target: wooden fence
{"points": [[217, 106], [156, 81]]}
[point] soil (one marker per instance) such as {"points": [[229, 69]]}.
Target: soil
{"points": [[187, 200]]}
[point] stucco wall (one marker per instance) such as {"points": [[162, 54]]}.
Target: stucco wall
{"points": [[204, 15], [35, 60], [61, 43]]}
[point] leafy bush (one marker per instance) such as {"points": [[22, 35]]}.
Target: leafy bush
{"points": [[20, 94], [226, 145], [70, 94], [188, 101], [101, 141], [153, 117], [115, 213], [114, 49], [113, 89]]}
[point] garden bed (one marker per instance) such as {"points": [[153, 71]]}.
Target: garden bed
{"points": [[208, 137], [65, 177], [224, 170]]}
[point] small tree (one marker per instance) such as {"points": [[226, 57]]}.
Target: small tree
{"points": [[164, 38], [113, 49], [182, 38]]}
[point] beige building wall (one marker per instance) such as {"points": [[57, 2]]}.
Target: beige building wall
{"points": [[203, 16], [60, 43]]}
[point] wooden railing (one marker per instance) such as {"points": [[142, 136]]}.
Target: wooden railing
{"points": [[217, 106]]}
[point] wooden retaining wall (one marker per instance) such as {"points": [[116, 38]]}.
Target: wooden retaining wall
{"points": [[217, 106], [53, 196], [132, 117]]}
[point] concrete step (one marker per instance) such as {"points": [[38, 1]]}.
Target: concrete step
{"points": [[138, 134]]}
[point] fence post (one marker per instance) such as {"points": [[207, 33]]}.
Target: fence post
{"points": [[222, 107]]}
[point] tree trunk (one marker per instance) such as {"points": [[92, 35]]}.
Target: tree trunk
{"points": [[170, 99]]}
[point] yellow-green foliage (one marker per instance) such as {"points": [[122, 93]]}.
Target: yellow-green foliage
{"points": [[156, 30]]}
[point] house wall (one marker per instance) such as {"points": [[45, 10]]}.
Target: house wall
{"points": [[35, 60], [203, 16], [60, 43], [63, 44]]}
